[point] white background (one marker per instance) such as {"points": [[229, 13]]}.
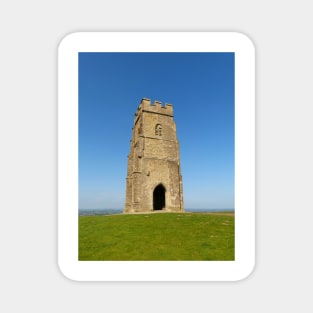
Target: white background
{"points": [[244, 51], [30, 33]]}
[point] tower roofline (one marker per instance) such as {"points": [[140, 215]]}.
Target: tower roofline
{"points": [[157, 107]]}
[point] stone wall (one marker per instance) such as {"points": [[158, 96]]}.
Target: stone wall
{"points": [[153, 160]]}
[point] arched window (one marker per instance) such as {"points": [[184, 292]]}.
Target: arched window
{"points": [[158, 130]]}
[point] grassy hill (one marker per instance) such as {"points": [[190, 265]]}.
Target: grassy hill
{"points": [[157, 236]]}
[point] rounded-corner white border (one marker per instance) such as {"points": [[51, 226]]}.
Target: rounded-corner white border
{"points": [[244, 50]]}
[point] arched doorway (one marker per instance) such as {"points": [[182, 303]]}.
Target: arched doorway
{"points": [[159, 198]]}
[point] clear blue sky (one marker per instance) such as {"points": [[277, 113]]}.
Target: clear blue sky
{"points": [[201, 88]]}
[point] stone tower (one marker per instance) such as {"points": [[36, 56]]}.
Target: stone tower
{"points": [[154, 180]]}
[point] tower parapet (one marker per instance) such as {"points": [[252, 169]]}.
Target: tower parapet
{"points": [[156, 107]]}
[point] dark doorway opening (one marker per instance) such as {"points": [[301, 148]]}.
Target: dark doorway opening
{"points": [[159, 198]]}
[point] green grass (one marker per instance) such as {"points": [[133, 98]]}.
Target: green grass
{"points": [[159, 236]]}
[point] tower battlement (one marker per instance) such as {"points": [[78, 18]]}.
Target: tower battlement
{"points": [[157, 107]]}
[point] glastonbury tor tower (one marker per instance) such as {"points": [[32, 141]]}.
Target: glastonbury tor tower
{"points": [[154, 181]]}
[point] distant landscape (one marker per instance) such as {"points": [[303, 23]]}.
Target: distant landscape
{"points": [[84, 212]]}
